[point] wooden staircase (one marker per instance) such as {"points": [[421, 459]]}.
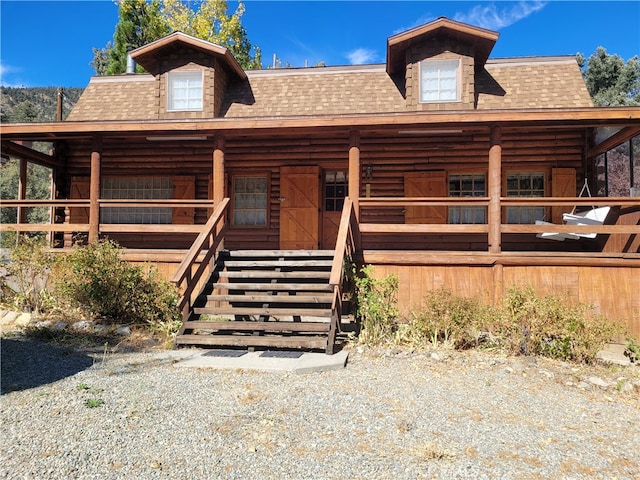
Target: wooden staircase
{"points": [[269, 299]]}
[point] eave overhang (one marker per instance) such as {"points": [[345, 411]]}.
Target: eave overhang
{"points": [[148, 56], [481, 39], [533, 118]]}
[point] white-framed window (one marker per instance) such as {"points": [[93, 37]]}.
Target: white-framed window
{"points": [[525, 184], [250, 201], [467, 185], [184, 91], [439, 81], [136, 188]]}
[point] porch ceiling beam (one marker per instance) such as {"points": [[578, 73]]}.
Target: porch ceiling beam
{"points": [[613, 141], [26, 153], [585, 117]]}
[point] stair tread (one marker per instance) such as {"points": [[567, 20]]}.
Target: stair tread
{"points": [[271, 274], [259, 326], [267, 287], [254, 341], [270, 299], [271, 311], [277, 253], [277, 263]]}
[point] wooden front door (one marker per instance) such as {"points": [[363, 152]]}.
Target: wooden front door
{"points": [[299, 208], [425, 184]]}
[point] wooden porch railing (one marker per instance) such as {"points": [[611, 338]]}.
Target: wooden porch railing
{"points": [[209, 240], [347, 245], [441, 228], [379, 203], [53, 227]]}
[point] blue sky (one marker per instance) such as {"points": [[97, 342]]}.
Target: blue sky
{"points": [[49, 43]]}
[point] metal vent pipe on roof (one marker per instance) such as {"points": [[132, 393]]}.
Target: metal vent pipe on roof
{"points": [[131, 64]]}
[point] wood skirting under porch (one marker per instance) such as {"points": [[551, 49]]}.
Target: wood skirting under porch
{"points": [[609, 282]]}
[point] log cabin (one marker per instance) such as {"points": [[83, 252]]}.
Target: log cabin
{"points": [[252, 190]]}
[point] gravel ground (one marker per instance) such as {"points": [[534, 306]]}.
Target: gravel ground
{"points": [[389, 415]]}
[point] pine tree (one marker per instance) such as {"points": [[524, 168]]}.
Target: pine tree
{"points": [[609, 80]]}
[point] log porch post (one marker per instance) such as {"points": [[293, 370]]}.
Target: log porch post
{"points": [[94, 190], [354, 171], [495, 189], [218, 179], [218, 169], [22, 191]]}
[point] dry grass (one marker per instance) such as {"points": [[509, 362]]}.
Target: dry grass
{"points": [[432, 451]]}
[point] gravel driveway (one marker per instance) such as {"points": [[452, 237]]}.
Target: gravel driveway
{"points": [[387, 415]]}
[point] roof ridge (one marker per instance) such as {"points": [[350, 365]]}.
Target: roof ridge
{"points": [[334, 69]]}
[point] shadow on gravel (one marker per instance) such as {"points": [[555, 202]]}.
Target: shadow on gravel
{"points": [[28, 363]]}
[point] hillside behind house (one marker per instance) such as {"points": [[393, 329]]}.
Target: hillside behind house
{"points": [[35, 104]]}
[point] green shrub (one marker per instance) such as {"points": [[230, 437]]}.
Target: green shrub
{"points": [[448, 319], [376, 306], [97, 279], [28, 267], [632, 350], [552, 326], [524, 324]]}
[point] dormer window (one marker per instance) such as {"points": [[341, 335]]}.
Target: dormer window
{"points": [[439, 81], [184, 91]]}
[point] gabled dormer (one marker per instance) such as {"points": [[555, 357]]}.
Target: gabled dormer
{"points": [[191, 75], [435, 64]]}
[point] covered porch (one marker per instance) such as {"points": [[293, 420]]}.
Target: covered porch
{"points": [[395, 173]]}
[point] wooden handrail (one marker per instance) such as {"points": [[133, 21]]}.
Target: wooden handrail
{"points": [[200, 242], [121, 203], [423, 228], [556, 228], [209, 239], [44, 227], [9, 203], [441, 228], [393, 202], [103, 227], [346, 243], [421, 201], [367, 202], [569, 201]]}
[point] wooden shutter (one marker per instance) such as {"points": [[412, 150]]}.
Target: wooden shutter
{"points": [[80, 190], [563, 184], [425, 184], [184, 188]]}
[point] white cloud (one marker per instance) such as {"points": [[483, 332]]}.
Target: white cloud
{"points": [[488, 16], [361, 55], [4, 69], [9, 71]]}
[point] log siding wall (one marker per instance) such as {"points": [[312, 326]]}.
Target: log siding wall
{"points": [[387, 159]]}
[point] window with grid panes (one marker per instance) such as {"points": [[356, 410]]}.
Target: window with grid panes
{"points": [[525, 184], [184, 91], [439, 81], [136, 189], [250, 200], [335, 190], [467, 185]]}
